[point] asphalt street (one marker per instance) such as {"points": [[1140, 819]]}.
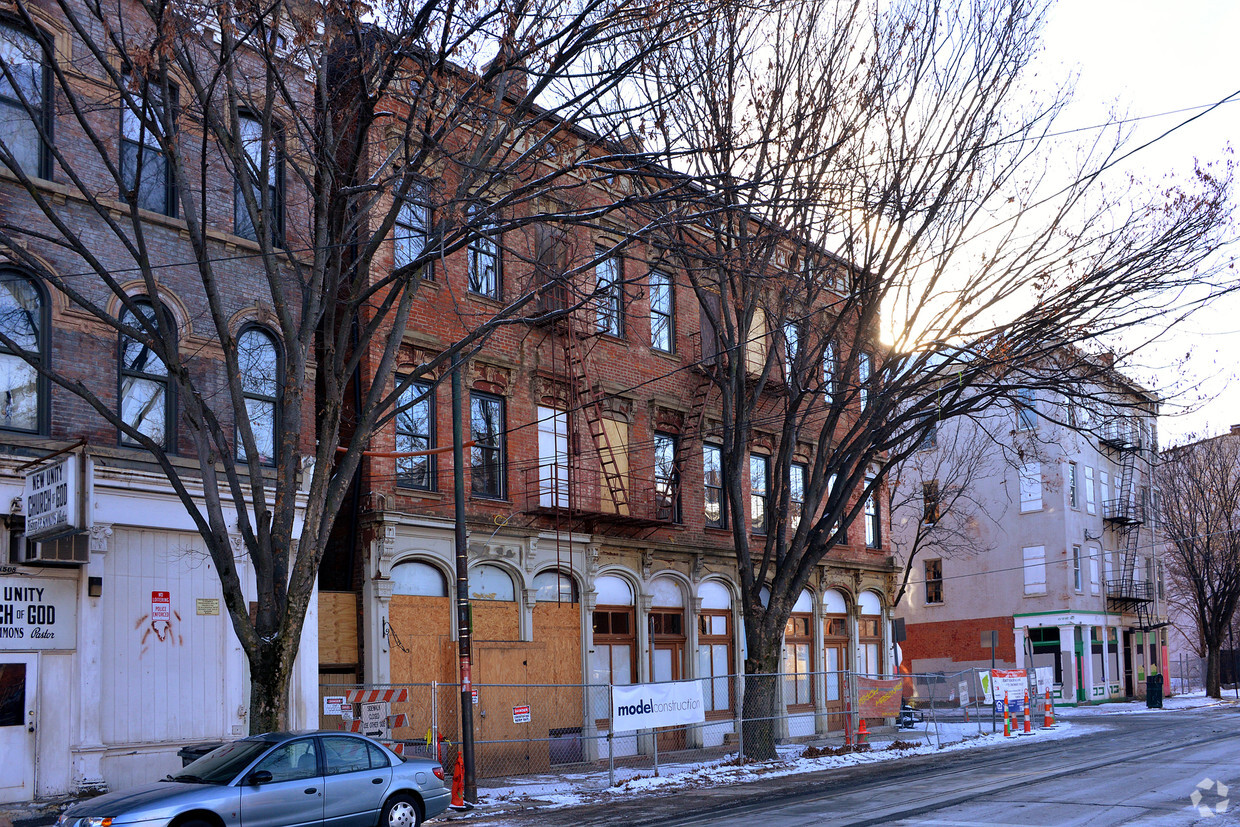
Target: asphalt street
{"points": [[1131, 769]]}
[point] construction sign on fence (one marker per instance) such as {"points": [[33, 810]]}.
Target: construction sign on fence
{"points": [[648, 705], [997, 682], [879, 698]]}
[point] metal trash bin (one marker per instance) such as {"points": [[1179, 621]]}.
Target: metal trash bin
{"points": [[190, 754], [1154, 691]]}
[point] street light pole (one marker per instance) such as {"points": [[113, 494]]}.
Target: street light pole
{"points": [[462, 591]]}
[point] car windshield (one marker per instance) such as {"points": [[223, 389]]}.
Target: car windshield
{"points": [[219, 766]]}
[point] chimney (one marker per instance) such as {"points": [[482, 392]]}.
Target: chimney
{"points": [[1235, 430], [1107, 358]]}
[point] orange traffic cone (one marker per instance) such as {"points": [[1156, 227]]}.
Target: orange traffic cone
{"points": [[1048, 712], [862, 733], [1007, 718], [458, 782], [1028, 728]]}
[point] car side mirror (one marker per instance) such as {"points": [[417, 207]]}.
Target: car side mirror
{"points": [[260, 777]]}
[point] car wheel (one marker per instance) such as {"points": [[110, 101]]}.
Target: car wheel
{"points": [[400, 811], [197, 822]]}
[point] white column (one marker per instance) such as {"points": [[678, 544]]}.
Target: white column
{"points": [[1067, 658], [1106, 660], [1018, 638], [1087, 664], [820, 664]]}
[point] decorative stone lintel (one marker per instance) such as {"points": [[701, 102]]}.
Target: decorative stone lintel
{"points": [[590, 600], [531, 597], [645, 602]]}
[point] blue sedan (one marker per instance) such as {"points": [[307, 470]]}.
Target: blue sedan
{"points": [[281, 780]]}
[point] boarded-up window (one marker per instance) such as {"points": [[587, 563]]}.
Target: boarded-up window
{"points": [[1035, 569], [1091, 499], [616, 473], [755, 344], [1031, 487]]}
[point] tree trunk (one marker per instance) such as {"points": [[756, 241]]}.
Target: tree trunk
{"points": [[271, 668], [761, 706], [1214, 662]]}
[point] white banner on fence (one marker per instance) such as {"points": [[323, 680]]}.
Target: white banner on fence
{"points": [[649, 705]]}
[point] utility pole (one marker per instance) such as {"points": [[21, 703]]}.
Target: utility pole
{"points": [[462, 591]]}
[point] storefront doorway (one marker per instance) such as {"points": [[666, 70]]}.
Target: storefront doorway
{"points": [[18, 690]]}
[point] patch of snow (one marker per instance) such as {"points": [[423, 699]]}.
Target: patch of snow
{"points": [[571, 789]]}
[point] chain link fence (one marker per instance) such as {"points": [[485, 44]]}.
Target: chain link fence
{"points": [[532, 729]]}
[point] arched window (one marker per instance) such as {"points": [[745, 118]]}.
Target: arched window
{"points": [[258, 362], [614, 657], [715, 647], [835, 633], [799, 659], [22, 321], [416, 578], [488, 582], [554, 587], [870, 635], [145, 397], [22, 100]]}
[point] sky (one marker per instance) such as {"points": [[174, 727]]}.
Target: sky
{"points": [[1145, 57]]}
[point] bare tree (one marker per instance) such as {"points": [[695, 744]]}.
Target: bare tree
{"points": [[1199, 487], [884, 233], [939, 502], [325, 140]]}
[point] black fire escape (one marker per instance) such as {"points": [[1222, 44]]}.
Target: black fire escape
{"points": [[1125, 514]]}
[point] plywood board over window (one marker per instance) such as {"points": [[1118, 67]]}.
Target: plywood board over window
{"points": [[616, 447]]}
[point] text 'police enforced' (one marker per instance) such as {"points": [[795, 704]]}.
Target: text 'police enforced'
{"points": [[644, 706]]}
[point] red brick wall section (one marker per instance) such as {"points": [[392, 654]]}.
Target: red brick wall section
{"points": [[959, 640]]}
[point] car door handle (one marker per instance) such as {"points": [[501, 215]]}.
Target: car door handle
{"points": [[376, 781], [311, 790]]}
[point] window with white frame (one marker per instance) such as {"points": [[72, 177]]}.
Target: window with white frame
{"points": [[1026, 410], [1091, 503], [662, 312], [1077, 585], [796, 493], [863, 379], [712, 484], [792, 344], [759, 475], [1073, 494], [1034, 566], [609, 296], [1030, 487], [829, 372], [1093, 570]]}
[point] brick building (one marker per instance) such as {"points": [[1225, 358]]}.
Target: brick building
{"points": [[600, 547], [600, 550], [115, 646]]}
